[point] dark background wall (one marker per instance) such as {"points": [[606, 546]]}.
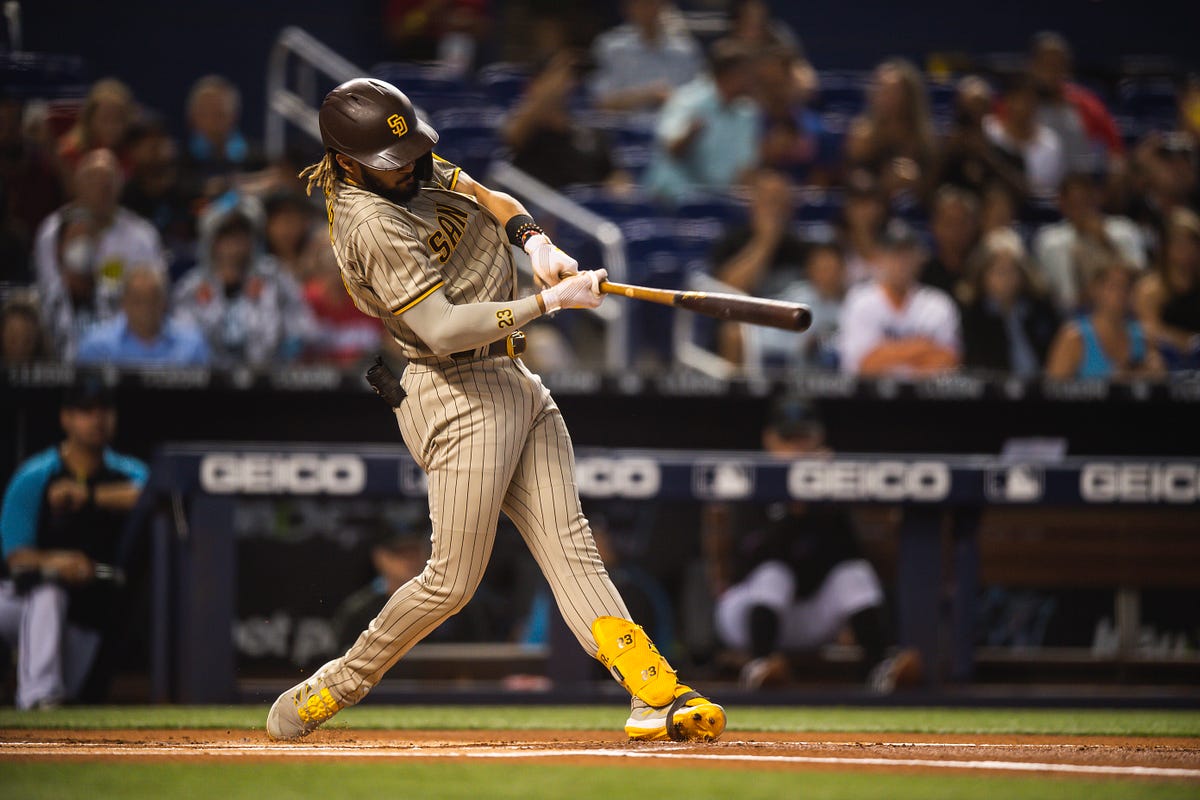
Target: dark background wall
{"points": [[159, 47]]}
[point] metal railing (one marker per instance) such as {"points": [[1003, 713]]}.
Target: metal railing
{"points": [[299, 106]]}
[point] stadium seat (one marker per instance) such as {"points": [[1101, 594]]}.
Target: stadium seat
{"points": [[815, 204], [843, 91], [618, 208], [721, 206], [1151, 103], [502, 82], [430, 86], [660, 252], [469, 136]]}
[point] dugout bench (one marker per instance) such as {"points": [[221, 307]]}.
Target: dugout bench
{"points": [[941, 498]]}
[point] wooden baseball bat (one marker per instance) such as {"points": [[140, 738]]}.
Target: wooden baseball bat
{"points": [[733, 307]]}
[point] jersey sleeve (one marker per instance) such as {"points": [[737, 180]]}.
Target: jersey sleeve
{"points": [[134, 470], [22, 504], [394, 264], [445, 174]]}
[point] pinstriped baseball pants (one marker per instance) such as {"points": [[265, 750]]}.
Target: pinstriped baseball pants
{"points": [[491, 439]]}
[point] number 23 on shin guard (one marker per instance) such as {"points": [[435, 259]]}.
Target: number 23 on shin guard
{"points": [[628, 653]]}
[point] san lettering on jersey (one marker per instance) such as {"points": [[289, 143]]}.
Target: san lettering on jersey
{"points": [[451, 223]]}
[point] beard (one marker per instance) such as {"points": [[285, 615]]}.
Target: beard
{"points": [[400, 195]]}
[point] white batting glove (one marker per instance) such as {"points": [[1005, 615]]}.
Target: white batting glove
{"points": [[581, 290], [550, 265]]}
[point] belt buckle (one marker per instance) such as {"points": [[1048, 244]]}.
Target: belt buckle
{"points": [[515, 343]]}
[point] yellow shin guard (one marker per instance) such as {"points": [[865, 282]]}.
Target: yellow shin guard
{"points": [[628, 653]]}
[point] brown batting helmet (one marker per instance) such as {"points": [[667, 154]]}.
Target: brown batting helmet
{"points": [[372, 122]]}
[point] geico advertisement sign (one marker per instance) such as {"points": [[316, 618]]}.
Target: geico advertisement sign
{"points": [[267, 473], [633, 478], [1139, 483], [923, 481]]}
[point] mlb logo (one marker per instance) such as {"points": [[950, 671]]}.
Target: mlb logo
{"points": [[723, 480], [1016, 484]]}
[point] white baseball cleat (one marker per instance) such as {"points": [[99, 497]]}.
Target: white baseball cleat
{"points": [[302, 709]]}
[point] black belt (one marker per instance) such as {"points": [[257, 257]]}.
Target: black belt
{"points": [[512, 346]]}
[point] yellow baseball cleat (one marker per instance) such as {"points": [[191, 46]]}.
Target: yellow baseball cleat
{"points": [[302, 709], [692, 717]]}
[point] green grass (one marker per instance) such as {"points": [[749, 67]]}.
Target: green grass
{"points": [[1072, 722], [127, 781]]}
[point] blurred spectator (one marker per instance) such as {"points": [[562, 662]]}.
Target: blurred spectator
{"points": [[30, 190], [1088, 133], [290, 218], [63, 520], [154, 191], [791, 576], [216, 150], [1030, 146], [822, 290], [116, 239], [863, 215], [397, 559], [1168, 298], [1057, 246], [894, 138], [997, 208], [954, 223], [894, 325], [250, 310], [1008, 323], [1165, 177], [281, 174], [70, 309], [708, 132], [143, 335], [105, 118], [640, 63], [794, 140], [1188, 103], [763, 255], [445, 31], [1107, 342], [968, 158], [547, 142], [643, 594], [751, 24], [532, 31], [22, 340], [345, 335]]}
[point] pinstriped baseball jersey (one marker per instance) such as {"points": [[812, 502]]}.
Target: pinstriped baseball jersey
{"points": [[393, 256], [485, 430]]}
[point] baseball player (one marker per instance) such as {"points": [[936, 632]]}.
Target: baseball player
{"points": [[426, 249]]}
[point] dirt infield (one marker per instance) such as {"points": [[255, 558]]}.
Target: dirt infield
{"points": [[1172, 758]]}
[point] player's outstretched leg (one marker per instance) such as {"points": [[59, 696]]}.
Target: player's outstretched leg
{"points": [[303, 708], [662, 708]]}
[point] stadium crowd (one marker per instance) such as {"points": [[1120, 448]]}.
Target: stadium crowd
{"points": [[1015, 228]]}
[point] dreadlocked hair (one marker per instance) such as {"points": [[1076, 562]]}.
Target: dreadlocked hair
{"points": [[322, 175]]}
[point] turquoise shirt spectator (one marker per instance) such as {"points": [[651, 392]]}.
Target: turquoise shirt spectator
{"points": [[1096, 363], [21, 514], [179, 344], [726, 145]]}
